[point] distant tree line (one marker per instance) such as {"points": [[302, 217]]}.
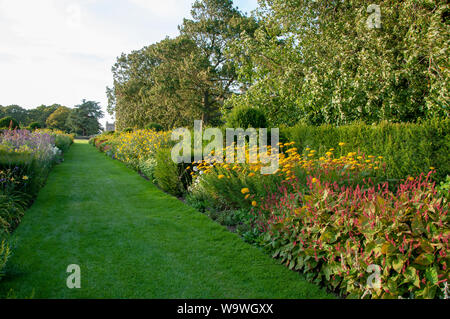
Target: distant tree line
{"points": [[81, 119], [296, 61]]}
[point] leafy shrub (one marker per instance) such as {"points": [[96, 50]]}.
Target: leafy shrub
{"points": [[169, 175], [245, 117], [12, 209], [147, 167], [128, 130], [333, 234], [408, 149], [35, 125], [444, 188], [63, 142], [9, 122], [4, 255], [154, 127]]}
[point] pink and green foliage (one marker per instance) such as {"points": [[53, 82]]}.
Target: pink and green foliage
{"points": [[333, 233]]}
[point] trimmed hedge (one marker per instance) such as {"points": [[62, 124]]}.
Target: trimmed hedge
{"points": [[408, 148]]}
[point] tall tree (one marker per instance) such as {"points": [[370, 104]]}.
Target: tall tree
{"points": [[41, 113], [58, 119], [214, 25], [177, 80], [83, 119], [320, 61]]}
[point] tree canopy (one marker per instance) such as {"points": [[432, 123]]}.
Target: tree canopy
{"points": [[83, 119], [175, 80]]}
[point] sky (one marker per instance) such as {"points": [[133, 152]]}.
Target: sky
{"points": [[62, 51]]}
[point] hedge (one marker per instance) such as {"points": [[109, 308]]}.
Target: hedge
{"points": [[408, 148]]}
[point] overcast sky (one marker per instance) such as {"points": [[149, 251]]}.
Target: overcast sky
{"points": [[61, 51]]}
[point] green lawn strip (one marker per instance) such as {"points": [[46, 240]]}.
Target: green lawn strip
{"points": [[133, 241]]}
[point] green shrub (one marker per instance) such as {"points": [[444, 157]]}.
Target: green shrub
{"points": [[444, 188], [9, 122], [4, 255], [245, 117], [147, 167], [12, 209], [169, 176], [334, 236], [35, 125], [408, 149], [154, 126], [63, 142], [128, 130]]}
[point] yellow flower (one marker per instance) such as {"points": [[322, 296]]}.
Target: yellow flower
{"points": [[314, 180], [251, 174], [253, 203], [245, 190], [432, 168], [221, 176], [410, 178], [341, 144], [247, 196], [25, 177]]}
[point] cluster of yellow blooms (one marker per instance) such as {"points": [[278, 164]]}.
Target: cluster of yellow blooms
{"points": [[289, 159], [137, 145]]}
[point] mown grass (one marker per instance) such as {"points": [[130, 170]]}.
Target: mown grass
{"points": [[133, 241]]}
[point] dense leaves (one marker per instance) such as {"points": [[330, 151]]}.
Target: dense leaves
{"points": [[319, 62]]}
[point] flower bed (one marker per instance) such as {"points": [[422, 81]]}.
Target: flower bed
{"points": [[335, 216], [25, 161]]}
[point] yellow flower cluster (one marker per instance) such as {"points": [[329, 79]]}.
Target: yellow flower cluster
{"points": [[137, 145], [290, 160]]}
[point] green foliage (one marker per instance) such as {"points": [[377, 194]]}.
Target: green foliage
{"points": [[154, 126], [333, 235], [58, 119], [319, 62], [83, 119], [444, 188], [169, 175], [27, 116], [128, 130], [63, 142], [408, 149], [245, 117], [147, 167], [12, 209], [9, 122], [35, 125], [4, 255]]}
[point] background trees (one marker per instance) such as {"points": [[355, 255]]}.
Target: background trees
{"points": [[318, 61], [58, 119], [297, 61], [175, 80], [83, 119]]}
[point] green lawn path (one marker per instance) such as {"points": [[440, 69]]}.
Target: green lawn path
{"points": [[133, 241]]}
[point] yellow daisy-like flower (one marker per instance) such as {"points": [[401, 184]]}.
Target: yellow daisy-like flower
{"points": [[247, 196], [410, 178], [341, 144], [245, 190], [25, 177], [253, 203], [314, 180], [432, 168], [251, 174], [221, 176]]}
